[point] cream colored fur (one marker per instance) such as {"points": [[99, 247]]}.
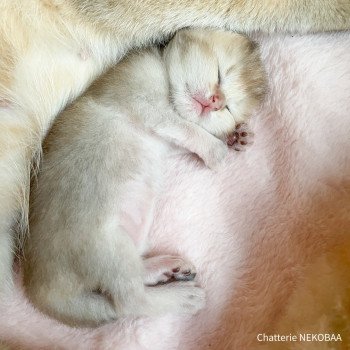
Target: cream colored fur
{"points": [[103, 168], [52, 49]]}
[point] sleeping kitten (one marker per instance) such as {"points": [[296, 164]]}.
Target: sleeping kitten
{"points": [[92, 206]]}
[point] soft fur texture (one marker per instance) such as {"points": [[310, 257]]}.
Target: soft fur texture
{"points": [[253, 228], [51, 50], [103, 169]]}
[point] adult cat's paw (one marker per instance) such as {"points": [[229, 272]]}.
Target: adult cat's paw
{"points": [[240, 138], [215, 154]]}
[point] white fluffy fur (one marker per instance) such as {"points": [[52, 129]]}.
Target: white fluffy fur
{"points": [[103, 169], [256, 230], [52, 49]]}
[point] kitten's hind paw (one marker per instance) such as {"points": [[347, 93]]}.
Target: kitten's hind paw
{"points": [[183, 297], [168, 268]]}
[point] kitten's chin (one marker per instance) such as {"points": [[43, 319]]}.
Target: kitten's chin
{"points": [[197, 107]]}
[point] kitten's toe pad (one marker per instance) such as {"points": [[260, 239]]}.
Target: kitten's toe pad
{"points": [[167, 268], [184, 271], [241, 138]]}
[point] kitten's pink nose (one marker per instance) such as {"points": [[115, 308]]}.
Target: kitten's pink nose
{"points": [[217, 101]]}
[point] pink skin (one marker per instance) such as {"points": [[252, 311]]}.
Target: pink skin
{"points": [[136, 216], [204, 105]]}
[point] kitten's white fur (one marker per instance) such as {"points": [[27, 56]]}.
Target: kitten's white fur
{"points": [[91, 209], [51, 50]]}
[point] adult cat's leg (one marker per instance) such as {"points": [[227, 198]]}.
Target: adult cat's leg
{"points": [[41, 68], [239, 15], [14, 187]]}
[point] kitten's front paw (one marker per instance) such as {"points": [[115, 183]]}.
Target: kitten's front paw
{"points": [[241, 138], [215, 155]]}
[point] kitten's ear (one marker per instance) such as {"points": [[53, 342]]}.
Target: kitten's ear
{"points": [[190, 35], [183, 37], [241, 43], [250, 47], [179, 45]]}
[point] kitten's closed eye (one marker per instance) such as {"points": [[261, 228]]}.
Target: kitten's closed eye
{"points": [[219, 76]]}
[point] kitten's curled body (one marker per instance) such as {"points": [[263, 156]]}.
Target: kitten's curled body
{"points": [[103, 170], [51, 50]]}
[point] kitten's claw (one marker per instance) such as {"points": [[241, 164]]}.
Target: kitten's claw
{"points": [[240, 138]]}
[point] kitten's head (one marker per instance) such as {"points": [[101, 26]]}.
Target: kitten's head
{"points": [[216, 78]]}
